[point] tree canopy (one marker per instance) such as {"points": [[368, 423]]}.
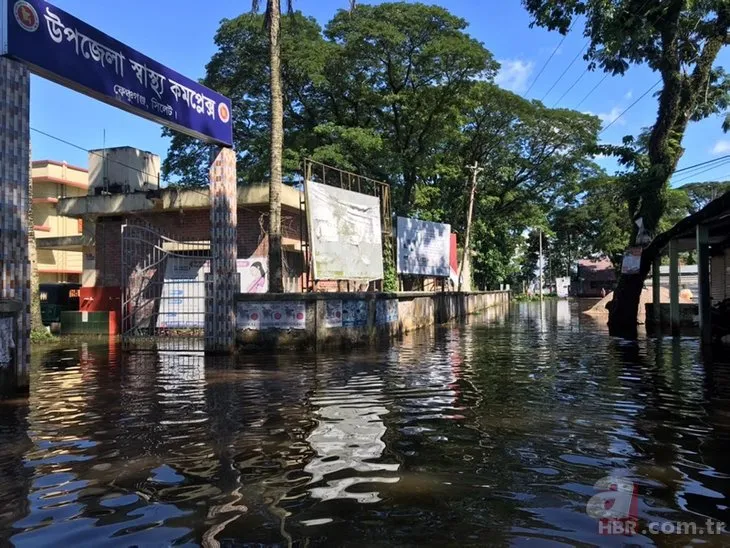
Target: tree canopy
{"points": [[401, 93]]}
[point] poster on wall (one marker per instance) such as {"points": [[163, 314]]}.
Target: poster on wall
{"points": [[333, 314], [182, 302], [345, 233], [562, 287], [386, 311], [424, 248], [254, 273], [259, 316], [354, 313], [632, 261]]}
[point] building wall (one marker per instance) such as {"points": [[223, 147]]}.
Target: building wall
{"points": [[52, 181], [191, 226]]}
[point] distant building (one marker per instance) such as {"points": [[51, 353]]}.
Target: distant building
{"points": [[594, 275], [52, 181]]}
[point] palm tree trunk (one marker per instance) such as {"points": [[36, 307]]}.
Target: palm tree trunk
{"points": [[36, 322], [277, 144]]}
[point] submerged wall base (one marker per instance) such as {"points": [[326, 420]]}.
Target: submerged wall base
{"points": [[316, 320]]}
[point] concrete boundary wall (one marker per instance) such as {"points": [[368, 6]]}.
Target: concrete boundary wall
{"points": [[313, 320]]}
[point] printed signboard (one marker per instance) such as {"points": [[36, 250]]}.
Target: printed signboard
{"points": [[424, 248], [64, 49], [562, 287], [345, 233], [632, 261], [182, 303], [333, 314], [386, 312], [183, 292], [354, 313], [259, 316]]}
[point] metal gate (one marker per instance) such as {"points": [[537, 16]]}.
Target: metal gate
{"points": [[164, 290]]}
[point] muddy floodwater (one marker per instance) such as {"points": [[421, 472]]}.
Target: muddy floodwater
{"points": [[494, 432]]}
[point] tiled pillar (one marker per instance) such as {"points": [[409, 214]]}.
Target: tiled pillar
{"points": [[220, 325], [14, 173]]}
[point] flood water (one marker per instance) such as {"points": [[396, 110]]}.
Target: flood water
{"points": [[494, 432]]}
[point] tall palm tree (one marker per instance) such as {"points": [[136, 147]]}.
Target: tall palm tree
{"points": [[273, 24]]}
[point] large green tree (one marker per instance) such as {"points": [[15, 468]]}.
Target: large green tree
{"points": [[679, 40], [400, 93]]}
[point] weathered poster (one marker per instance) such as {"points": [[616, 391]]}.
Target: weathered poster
{"points": [[354, 313], [257, 316], [424, 248], [182, 302], [254, 274], [345, 233], [386, 312], [632, 261], [562, 287], [333, 314]]}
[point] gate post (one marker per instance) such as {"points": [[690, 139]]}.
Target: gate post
{"points": [[220, 325], [14, 264]]}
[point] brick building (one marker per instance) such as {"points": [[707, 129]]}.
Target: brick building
{"points": [[182, 215]]}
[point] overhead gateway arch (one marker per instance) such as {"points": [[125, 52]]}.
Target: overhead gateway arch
{"points": [[37, 37]]}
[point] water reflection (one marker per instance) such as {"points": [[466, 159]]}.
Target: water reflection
{"points": [[349, 438], [494, 431]]}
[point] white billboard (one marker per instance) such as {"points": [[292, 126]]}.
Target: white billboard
{"points": [[345, 233], [424, 248]]}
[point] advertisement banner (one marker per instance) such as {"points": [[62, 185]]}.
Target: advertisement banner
{"points": [[354, 313], [58, 46], [424, 248], [182, 304], [386, 312], [183, 293], [254, 273], [632, 261], [562, 287], [345, 233], [333, 314], [258, 316]]}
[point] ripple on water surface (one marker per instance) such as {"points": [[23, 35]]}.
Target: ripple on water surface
{"points": [[492, 431]]}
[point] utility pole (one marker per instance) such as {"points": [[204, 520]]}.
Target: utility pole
{"points": [[542, 265], [475, 171]]}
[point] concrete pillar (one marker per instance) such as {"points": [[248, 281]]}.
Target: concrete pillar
{"points": [[220, 325], [703, 278], [14, 167], [656, 290], [674, 286]]}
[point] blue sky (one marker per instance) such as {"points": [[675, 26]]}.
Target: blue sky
{"points": [[179, 34]]}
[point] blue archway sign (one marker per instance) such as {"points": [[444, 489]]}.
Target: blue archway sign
{"points": [[64, 49]]}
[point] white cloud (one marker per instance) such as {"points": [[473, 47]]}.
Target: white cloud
{"points": [[514, 74], [629, 94], [721, 147], [612, 116]]}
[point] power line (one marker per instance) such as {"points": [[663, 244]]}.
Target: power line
{"points": [[693, 175], [582, 74], [630, 106], [566, 70], [592, 90], [690, 168], [551, 56], [104, 157]]}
